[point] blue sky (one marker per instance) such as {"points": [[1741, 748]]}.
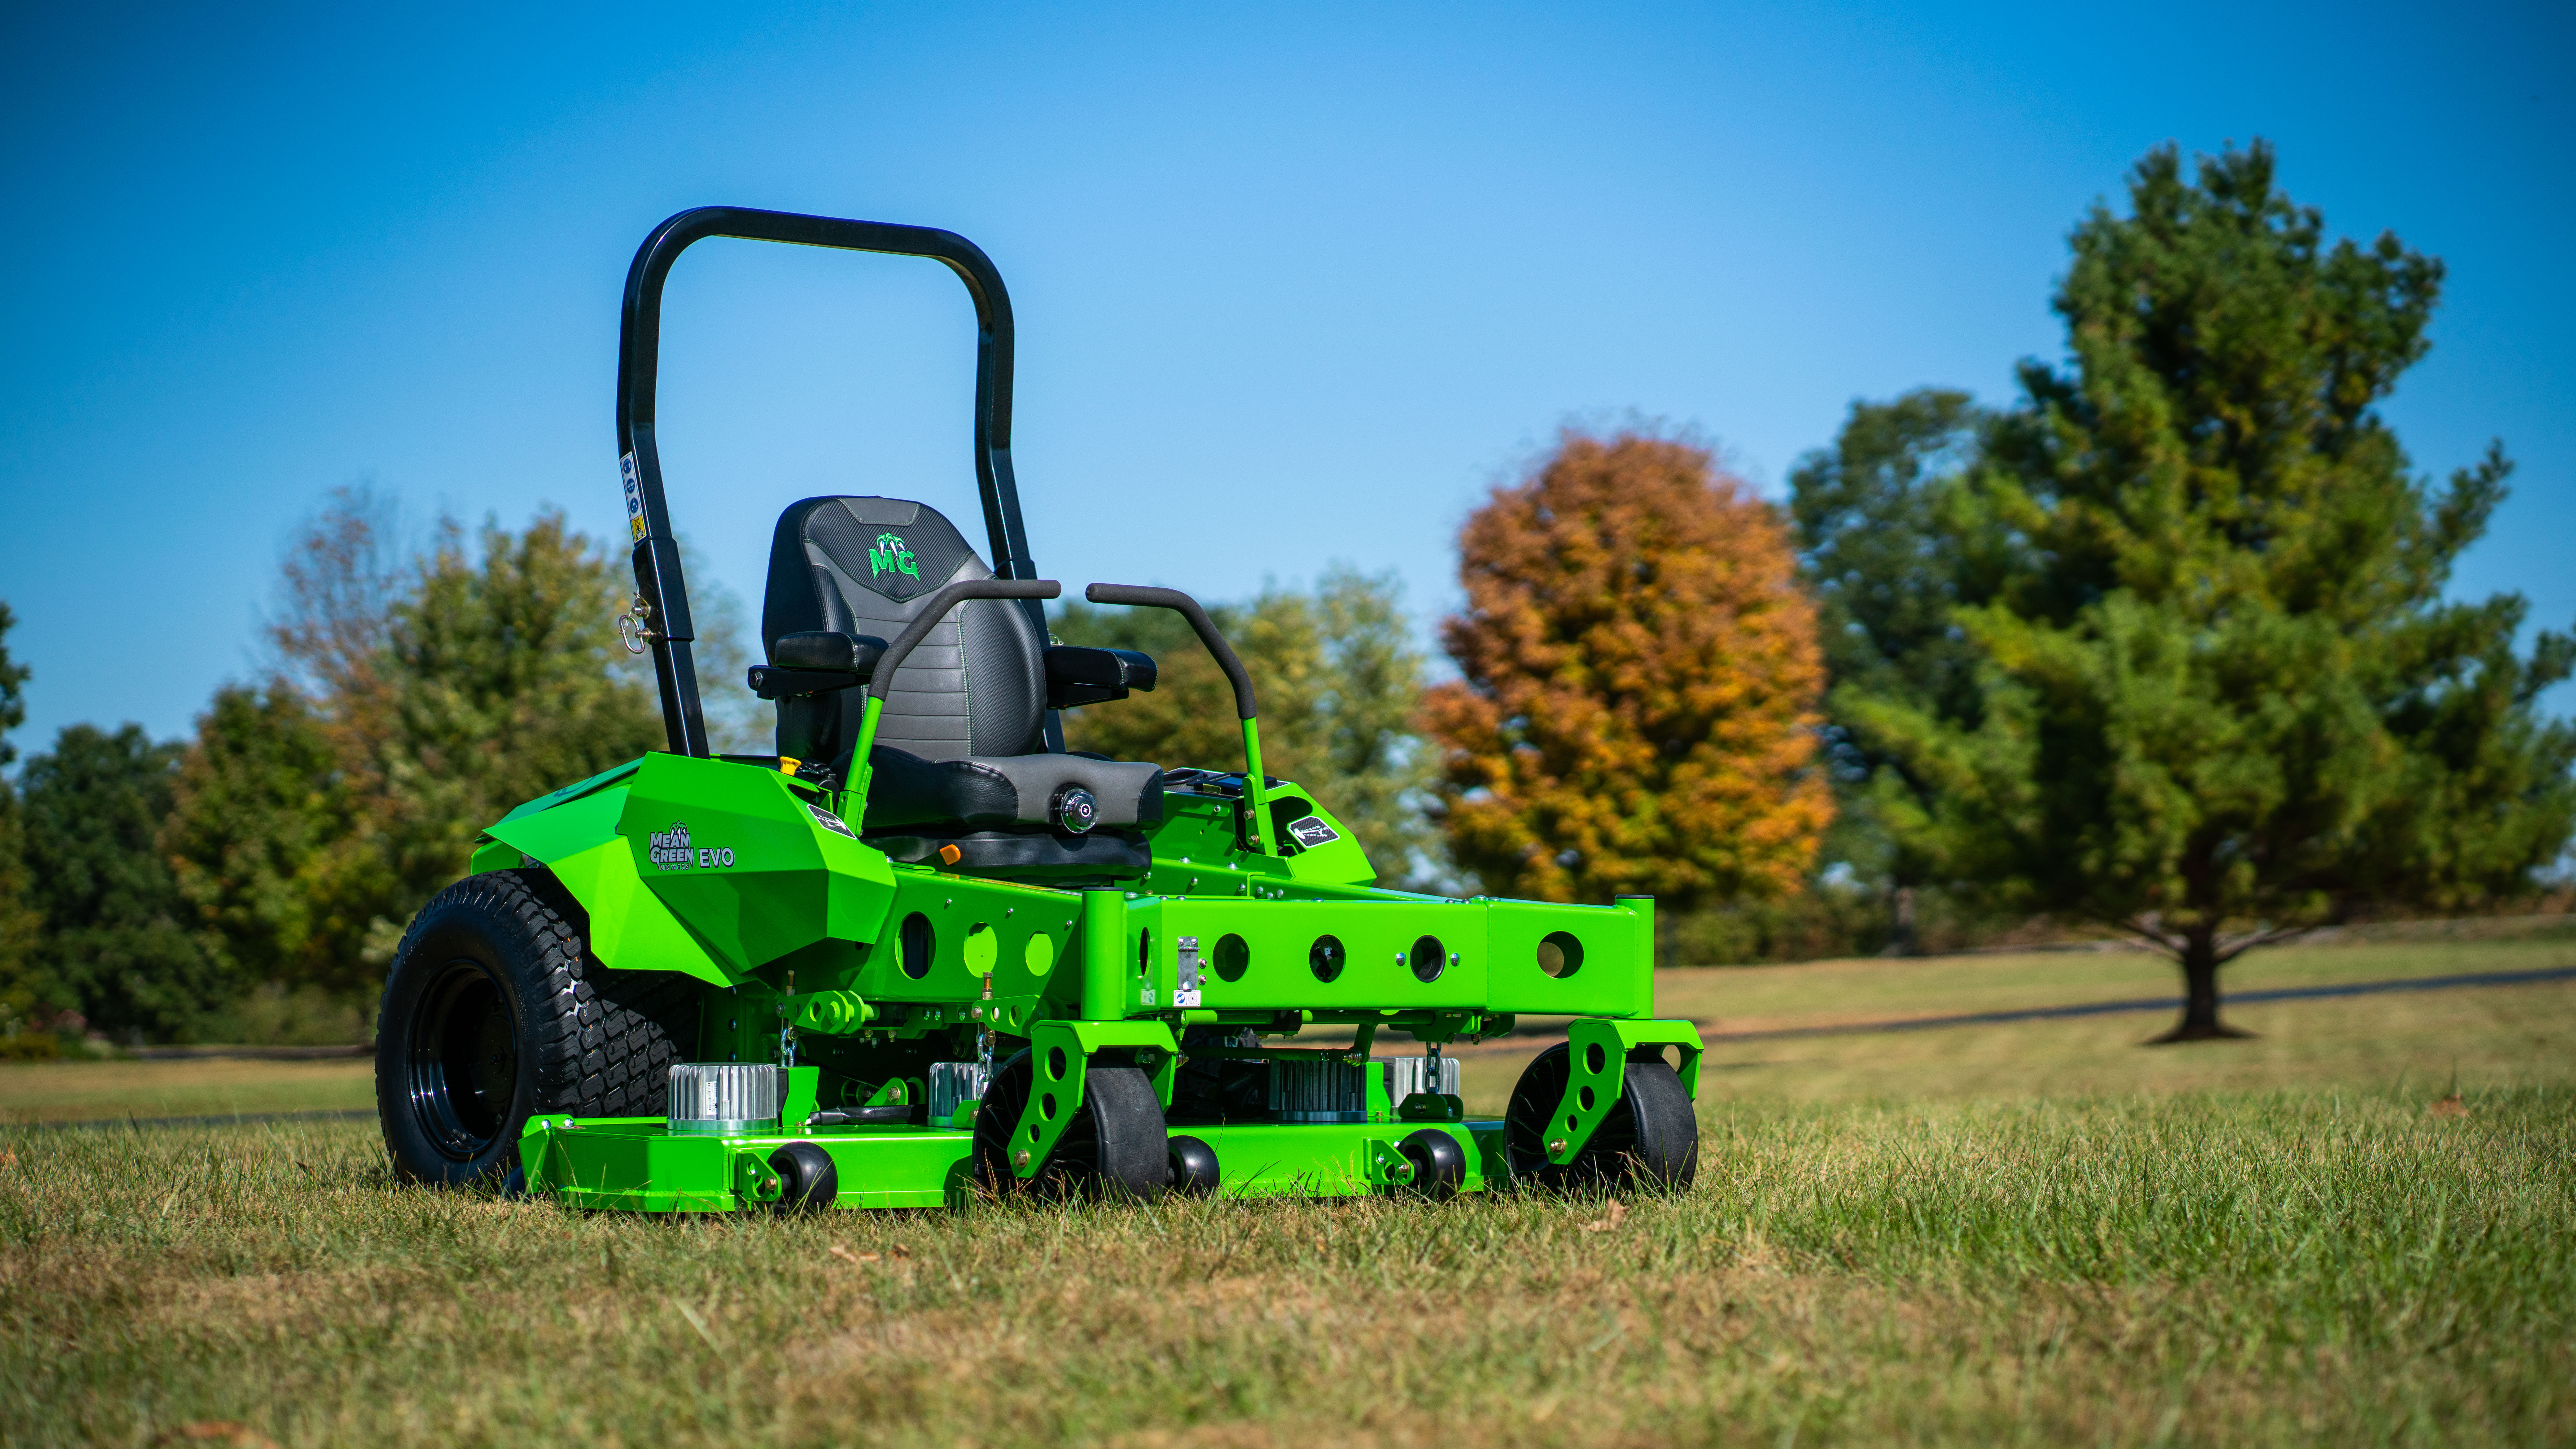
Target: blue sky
{"points": [[1292, 284]]}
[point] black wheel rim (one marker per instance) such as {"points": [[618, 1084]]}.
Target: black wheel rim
{"points": [[1074, 1170], [463, 1061], [1533, 1107], [1071, 1170], [1607, 1160], [1004, 1099]]}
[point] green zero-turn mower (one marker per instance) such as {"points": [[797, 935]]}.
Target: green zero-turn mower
{"points": [[926, 952]]}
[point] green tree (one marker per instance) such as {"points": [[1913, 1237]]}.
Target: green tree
{"points": [[413, 701], [504, 681], [256, 837], [275, 837], [1640, 675], [1878, 531], [738, 721], [19, 997], [115, 945], [1889, 547], [1337, 677], [1368, 762], [2228, 701], [13, 689]]}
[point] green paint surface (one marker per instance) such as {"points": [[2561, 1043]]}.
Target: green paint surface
{"points": [[750, 881]]}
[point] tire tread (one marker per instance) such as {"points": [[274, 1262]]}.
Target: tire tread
{"points": [[599, 1042]]}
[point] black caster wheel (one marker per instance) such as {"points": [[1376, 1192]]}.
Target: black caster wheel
{"points": [[1650, 1140]]}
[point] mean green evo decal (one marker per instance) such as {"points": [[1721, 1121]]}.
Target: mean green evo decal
{"points": [[672, 850]]}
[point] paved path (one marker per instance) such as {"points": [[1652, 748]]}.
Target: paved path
{"points": [[2160, 1003]]}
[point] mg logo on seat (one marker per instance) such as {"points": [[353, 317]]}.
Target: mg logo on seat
{"points": [[892, 556]]}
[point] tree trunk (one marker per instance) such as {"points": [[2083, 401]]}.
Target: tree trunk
{"points": [[1900, 925], [2200, 993]]}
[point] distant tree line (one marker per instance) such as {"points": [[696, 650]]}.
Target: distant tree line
{"points": [[253, 881], [2162, 647]]}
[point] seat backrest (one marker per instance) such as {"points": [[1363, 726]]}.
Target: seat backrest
{"points": [[976, 686]]}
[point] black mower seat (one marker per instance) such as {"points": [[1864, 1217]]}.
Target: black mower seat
{"points": [[1006, 790], [962, 738]]}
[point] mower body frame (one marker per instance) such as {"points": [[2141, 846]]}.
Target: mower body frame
{"points": [[818, 952]]}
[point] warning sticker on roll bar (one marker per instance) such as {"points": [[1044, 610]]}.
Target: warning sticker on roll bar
{"points": [[634, 497]]}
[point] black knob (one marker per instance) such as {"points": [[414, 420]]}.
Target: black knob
{"points": [[1076, 809]]}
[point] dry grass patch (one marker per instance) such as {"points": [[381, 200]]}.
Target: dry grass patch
{"points": [[2037, 1234], [2195, 1269]]}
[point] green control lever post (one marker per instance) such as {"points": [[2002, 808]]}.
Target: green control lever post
{"points": [[1137, 596], [913, 633]]}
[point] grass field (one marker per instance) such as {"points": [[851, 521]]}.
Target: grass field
{"points": [[2034, 1233], [2493, 1036], [81, 1091], [1769, 997]]}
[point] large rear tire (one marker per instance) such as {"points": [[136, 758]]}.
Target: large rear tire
{"points": [[494, 1011], [1118, 1148], [1650, 1139]]}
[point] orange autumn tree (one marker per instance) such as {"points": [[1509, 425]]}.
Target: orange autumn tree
{"points": [[1638, 710]]}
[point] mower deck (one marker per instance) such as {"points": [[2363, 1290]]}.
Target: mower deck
{"points": [[637, 1164]]}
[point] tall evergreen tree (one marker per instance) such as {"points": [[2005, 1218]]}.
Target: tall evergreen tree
{"points": [[2228, 699], [1881, 545], [13, 689], [1887, 545]]}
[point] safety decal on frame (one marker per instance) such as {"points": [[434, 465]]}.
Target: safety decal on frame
{"points": [[830, 821], [634, 497], [1311, 831]]}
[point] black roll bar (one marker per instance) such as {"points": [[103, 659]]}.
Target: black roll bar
{"points": [[658, 582]]}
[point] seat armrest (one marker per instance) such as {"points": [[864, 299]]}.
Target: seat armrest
{"points": [[771, 682], [1077, 676], [822, 649], [816, 662]]}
